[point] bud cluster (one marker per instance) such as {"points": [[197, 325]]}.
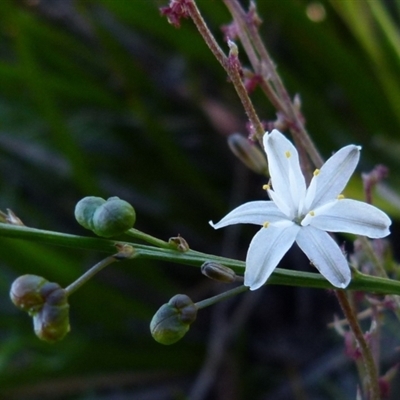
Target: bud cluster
{"points": [[46, 302], [105, 218], [172, 320]]}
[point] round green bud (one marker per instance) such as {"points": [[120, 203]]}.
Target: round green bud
{"points": [[171, 322], [114, 217], [85, 209], [46, 302], [26, 294], [51, 323]]}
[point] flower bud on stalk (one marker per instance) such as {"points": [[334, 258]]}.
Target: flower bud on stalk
{"points": [[85, 209], [171, 322], [26, 294], [218, 272], [46, 302], [248, 153], [105, 218]]}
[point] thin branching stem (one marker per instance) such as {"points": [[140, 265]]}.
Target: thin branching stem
{"points": [[226, 63], [280, 98], [368, 359]]}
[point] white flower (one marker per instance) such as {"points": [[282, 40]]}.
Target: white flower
{"points": [[303, 215]]}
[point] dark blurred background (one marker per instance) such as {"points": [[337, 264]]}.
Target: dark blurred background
{"points": [[105, 98]]}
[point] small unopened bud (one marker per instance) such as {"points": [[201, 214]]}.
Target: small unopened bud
{"points": [[218, 272], [26, 294], [113, 218], [248, 153], [172, 321], [46, 302], [179, 243], [51, 323], [105, 218], [85, 209]]}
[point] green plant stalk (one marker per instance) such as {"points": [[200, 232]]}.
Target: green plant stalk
{"points": [[148, 238], [280, 276], [74, 286], [126, 252], [220, 297]]}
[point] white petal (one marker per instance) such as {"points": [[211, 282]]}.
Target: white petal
{"points": [[323, 210], [283, 163], [254, 212], [352, 216], [325, 254], [266, 249], [333, 176], [281, 203]]}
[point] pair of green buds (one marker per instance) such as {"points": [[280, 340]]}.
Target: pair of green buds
{"points": [[105, 218], [46, 302]]}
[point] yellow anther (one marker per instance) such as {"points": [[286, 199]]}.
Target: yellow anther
{"points": [[316, 172], [312, 213], [340, 197], [287, 154], [265, 224], [266, 187]]}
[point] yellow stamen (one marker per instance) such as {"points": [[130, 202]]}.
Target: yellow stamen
{"points": [[316, 172], [312, 213], [265, 224], [340, 197], [266, 187], [287, 154]]}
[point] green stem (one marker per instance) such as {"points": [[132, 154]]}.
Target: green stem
{"points": [[148, 238], [362, 282], [125, 252], [89, 274], [368, 359], [220, 297]]}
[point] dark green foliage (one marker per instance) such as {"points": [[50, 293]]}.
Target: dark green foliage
{"points": [[105, 98]]}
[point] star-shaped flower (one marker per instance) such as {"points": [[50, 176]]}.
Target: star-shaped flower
{"points": [[304, 215]]}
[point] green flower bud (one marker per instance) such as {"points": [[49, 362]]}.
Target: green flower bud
{"points": [[113, 217], [171, 322], [46, 302], [85, 208], [26, 294], [248, 153], [218, 272], [51, 323]]}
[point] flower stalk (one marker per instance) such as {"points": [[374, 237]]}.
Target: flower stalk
{"points": [[265, 67], [230, 64], [368, 359], [360, 281], [125, 252]]}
